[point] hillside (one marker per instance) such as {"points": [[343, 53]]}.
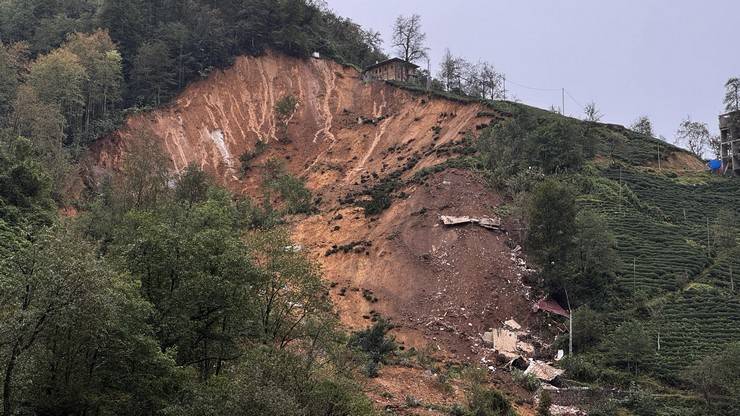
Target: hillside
{"points": [[404, 152], [403, 256]]}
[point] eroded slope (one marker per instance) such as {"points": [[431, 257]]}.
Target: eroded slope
{"points": [[445, 286]]}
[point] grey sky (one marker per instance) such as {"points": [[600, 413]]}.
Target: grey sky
{"points": [[666, 59]]}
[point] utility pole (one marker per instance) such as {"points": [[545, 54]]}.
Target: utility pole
{"points": [[429, 74], [563, 107], [504, 77], [634, 275], [570, 324], [620, 189], [709, 243]]}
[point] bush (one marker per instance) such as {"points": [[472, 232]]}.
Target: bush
{"points": [[374, 341], [380, 197], [543, 408], [296, 197], [528, 381], [247, 157], [485, 402], [578, 368]]}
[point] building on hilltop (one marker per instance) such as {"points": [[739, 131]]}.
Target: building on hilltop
{"points": [[394, 69], [729, 128]]}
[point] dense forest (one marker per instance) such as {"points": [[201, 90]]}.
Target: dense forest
{"points": [[167, 295]]}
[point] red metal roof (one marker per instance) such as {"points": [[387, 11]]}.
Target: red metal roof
{"points": [[551, 306]]}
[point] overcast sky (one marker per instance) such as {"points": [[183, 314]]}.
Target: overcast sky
{"points": [[665, 59]]}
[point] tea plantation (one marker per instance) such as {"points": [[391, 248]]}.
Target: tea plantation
{"points": [[669, 258]]}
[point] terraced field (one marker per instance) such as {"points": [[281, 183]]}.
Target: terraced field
{"points": [[660, 225]]}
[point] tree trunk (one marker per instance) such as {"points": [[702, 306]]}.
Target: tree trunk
{"points": [[8, 380]]}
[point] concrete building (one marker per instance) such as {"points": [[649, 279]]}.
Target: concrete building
{"points": [[729, 128], [394, 69]]}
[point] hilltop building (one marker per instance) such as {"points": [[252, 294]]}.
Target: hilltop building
{"points": [[394, 69], [729, 127]]}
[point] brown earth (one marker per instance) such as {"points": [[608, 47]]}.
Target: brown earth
{"points": [[443, 286]]}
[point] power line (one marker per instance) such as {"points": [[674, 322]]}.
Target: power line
{"points": [[531, 88], [574, 100]]}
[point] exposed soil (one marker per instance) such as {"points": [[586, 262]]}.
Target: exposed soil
{"points": [[442, 286]]}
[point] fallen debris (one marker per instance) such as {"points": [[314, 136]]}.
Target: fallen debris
{"points": [[502, 340], [549, 305], [512, 324], [485, 222], [543, 371]]}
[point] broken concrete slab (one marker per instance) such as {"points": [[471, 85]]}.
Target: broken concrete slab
{"points": [[485, 222], [512, 324], [501, 340], [543, 371]]}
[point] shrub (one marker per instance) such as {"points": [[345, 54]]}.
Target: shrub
{"points": [[578, 368], [247, 157], [374, 341], [528, 381], [293, 192], [543, 408], [284, 110], [485, 402], [380, 197]]}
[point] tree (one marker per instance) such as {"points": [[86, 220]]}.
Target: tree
{"points": [[630, 345], [643, 125], [557, 146], [732, 94], [592, 113], [694, 135], [143, 182], [543, 407], [490, 81], [9, 80], [75, 332], [450, 71], [43, 123], [284, 109], [588, 328], [154, 72], [551, 216], [59, 78], [594, 257], [715, 376], [104, 68], [408, 38]]}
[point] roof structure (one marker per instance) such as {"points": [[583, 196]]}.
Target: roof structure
{"points": [[549, 305], [390, 61]]}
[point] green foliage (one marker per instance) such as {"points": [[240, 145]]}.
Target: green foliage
{"points": [[296, 198], [487, 402], [529, 381], [588, 328], [554, 145], [630, 346], [551, 215], [75, 334], [193, 185], [374, 341], [284, 110], [715, 378], [543, 408], [273, 382], [380, 197], [579, 368], [247, 157]]}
